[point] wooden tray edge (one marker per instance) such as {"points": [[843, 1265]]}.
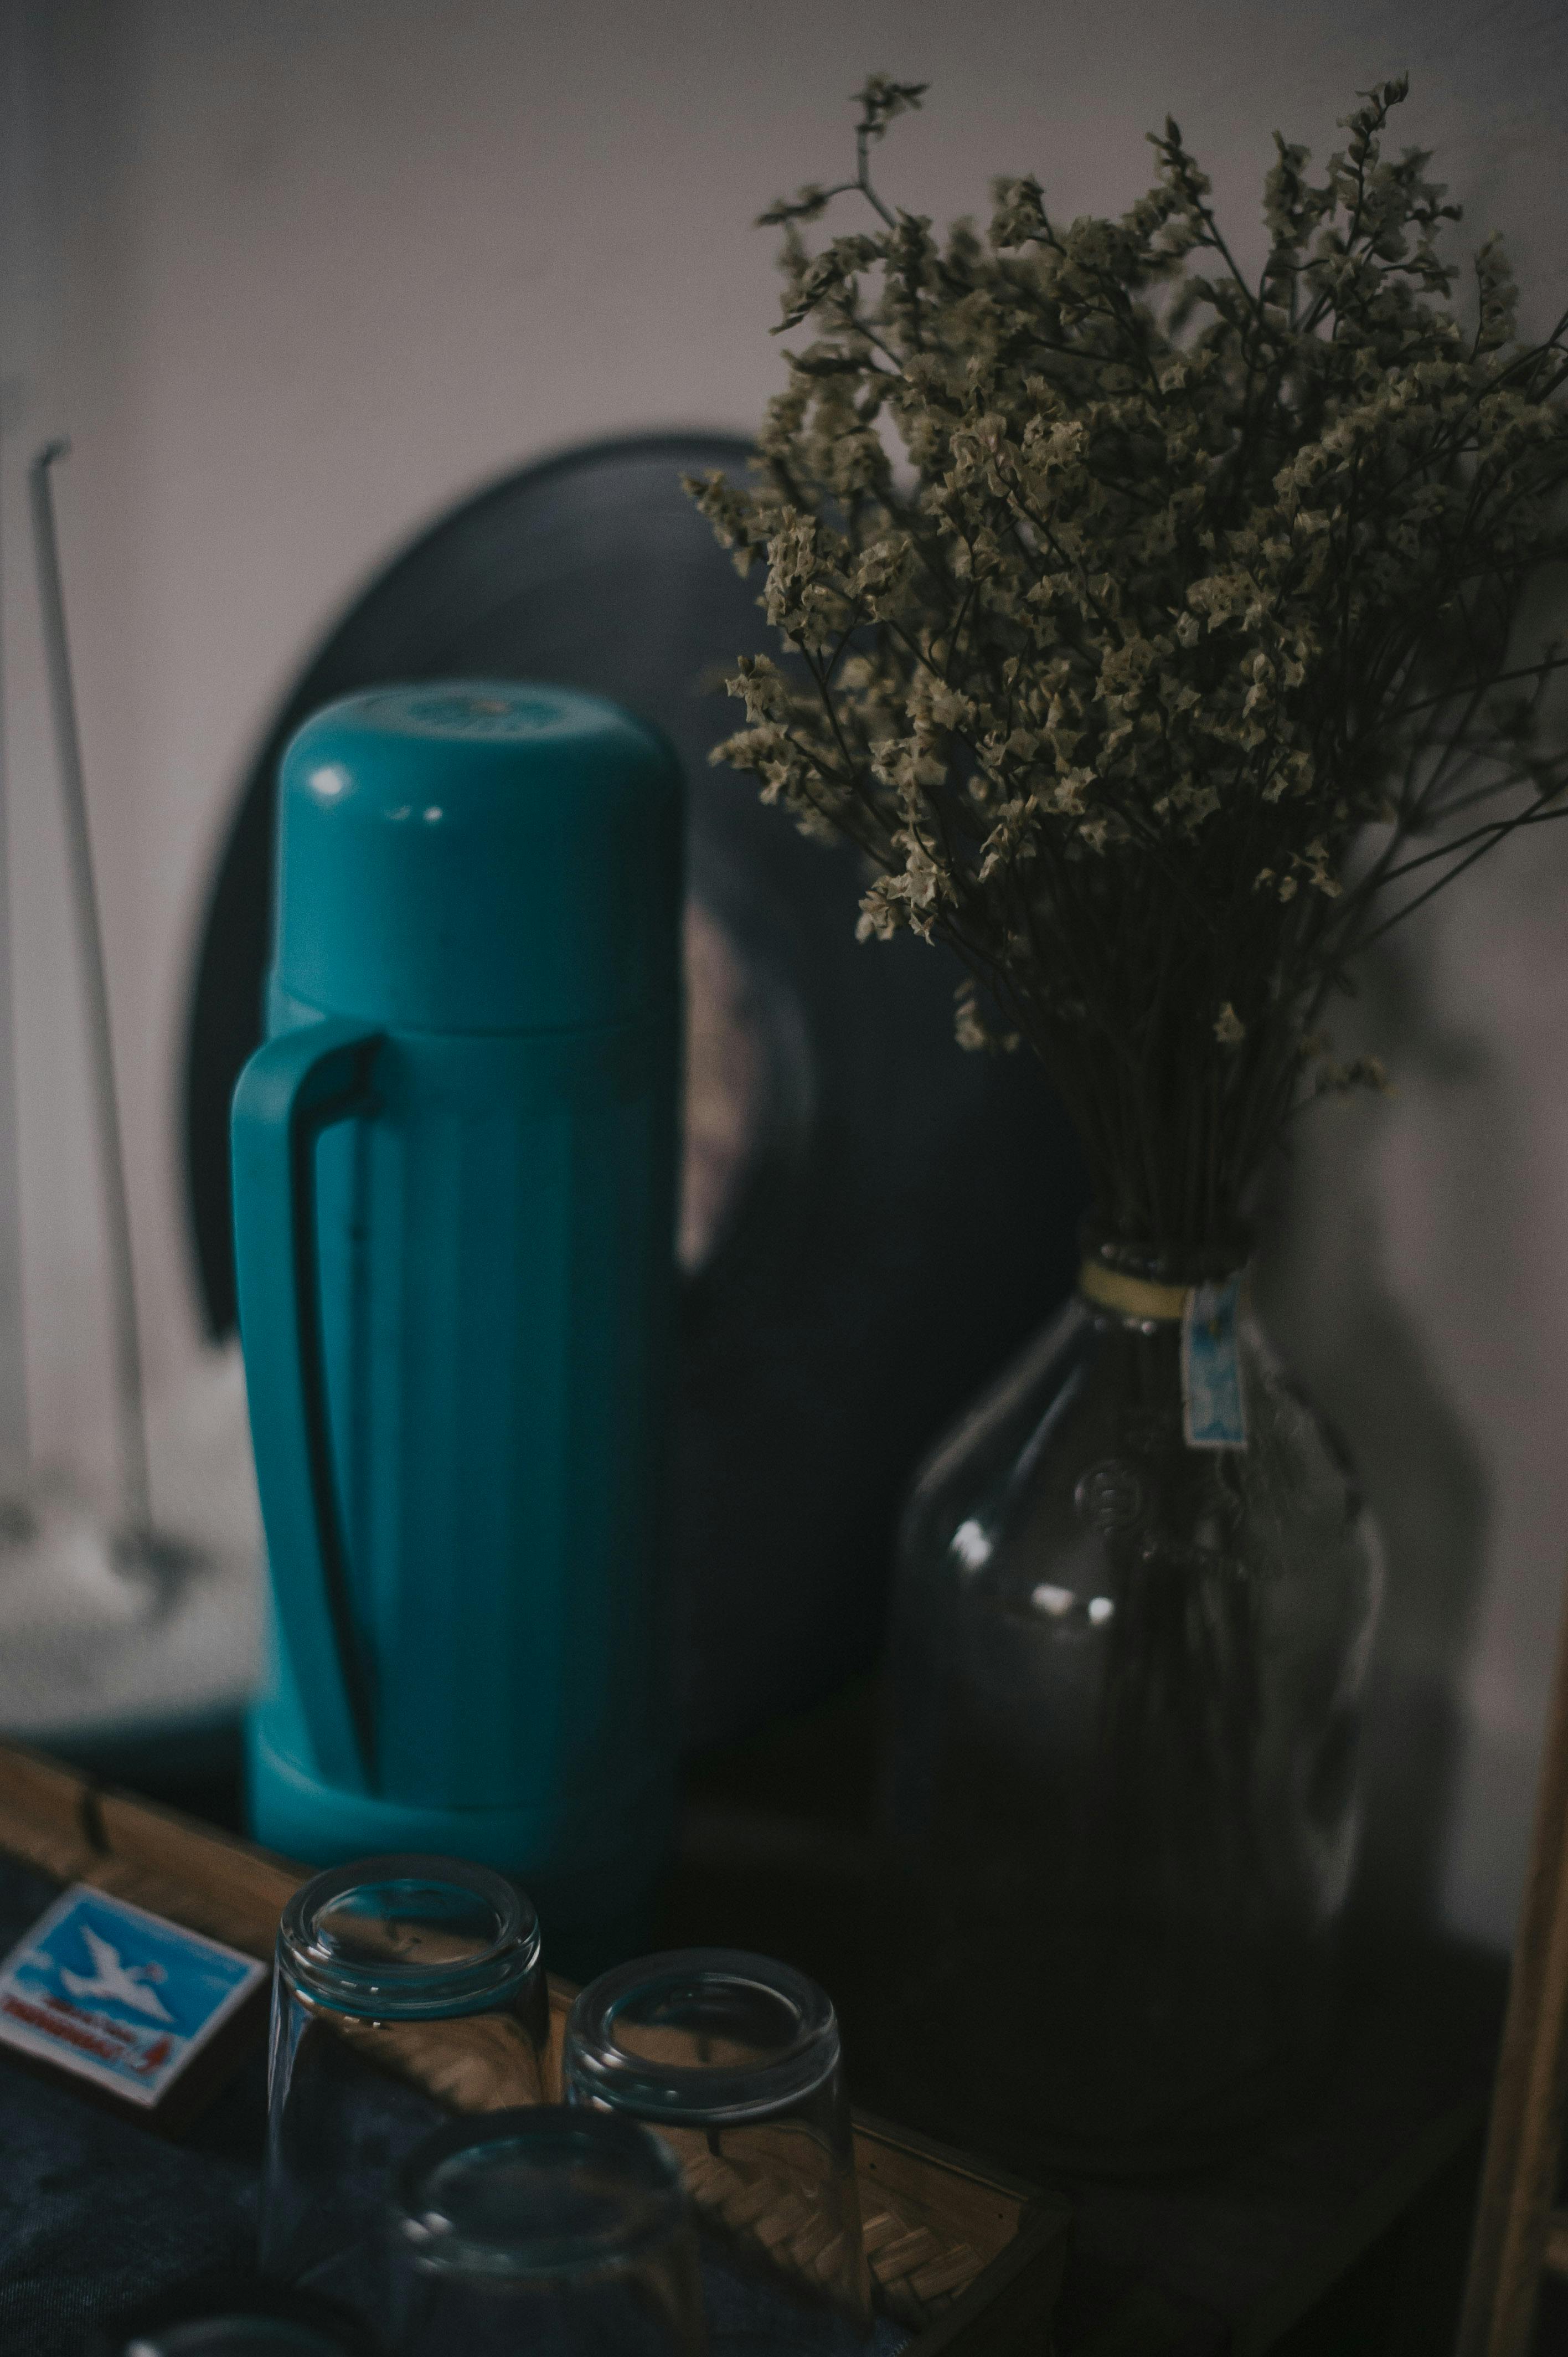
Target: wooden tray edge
{"points": [[82, 1829]]}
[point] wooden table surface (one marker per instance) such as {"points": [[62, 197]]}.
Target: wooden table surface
{"points": [[1347, 2216], [1342, 2228]]}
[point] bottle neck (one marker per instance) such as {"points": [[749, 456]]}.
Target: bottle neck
{"points": [[1153, 1282]]}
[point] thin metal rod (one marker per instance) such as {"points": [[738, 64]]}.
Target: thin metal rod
{"points": [[13, 1447], [130, 1398]]}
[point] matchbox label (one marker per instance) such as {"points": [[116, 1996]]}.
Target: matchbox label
{"points": [[110, 1992]]}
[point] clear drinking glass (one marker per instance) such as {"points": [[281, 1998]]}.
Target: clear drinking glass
{"points": [[407, 1989], [235, 2315], [735, 2060], [546, 2232], [236, 2336]]}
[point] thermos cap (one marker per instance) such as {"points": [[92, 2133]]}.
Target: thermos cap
{"points": [[479, 856]]}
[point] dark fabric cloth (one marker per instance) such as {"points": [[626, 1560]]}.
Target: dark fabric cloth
{"points": [[99, 2216], [97, 2213]]}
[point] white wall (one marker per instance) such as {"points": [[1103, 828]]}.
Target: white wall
{"points": [[296, 274]]}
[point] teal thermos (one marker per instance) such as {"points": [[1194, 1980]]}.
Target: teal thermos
{"points": [[454, 1213]]}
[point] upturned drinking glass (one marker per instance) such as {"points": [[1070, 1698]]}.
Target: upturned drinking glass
{"points": [[239, 2336], [735, 2060], [408, 1989], [546, 2232], [1122, 1797]]}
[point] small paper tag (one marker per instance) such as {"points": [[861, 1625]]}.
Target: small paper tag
{"points": [[1213, 1414], [110, 1992]]}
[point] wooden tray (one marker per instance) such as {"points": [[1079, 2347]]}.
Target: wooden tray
{"points": [[967, 2256]]}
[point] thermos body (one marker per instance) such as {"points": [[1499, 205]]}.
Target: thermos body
{"points": [[455, 1251]]}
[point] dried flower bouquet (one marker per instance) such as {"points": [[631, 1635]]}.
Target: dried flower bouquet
{"points": [[1159, 634]]}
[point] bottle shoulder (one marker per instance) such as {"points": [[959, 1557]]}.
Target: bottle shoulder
{"points": [[1079, 1458]]}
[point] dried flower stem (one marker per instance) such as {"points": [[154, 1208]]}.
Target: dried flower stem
{"points": [[1124, 601]]}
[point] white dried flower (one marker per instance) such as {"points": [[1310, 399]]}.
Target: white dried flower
{"points": [[1179, 581]]}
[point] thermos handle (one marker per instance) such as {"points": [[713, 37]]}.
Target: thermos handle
{"points": [[293, 1088]]}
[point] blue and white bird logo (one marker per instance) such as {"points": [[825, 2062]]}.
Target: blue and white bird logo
{"points": [[120, 1984]]}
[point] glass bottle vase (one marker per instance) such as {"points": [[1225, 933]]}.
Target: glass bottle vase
{"points": [[1121, 1789]]}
